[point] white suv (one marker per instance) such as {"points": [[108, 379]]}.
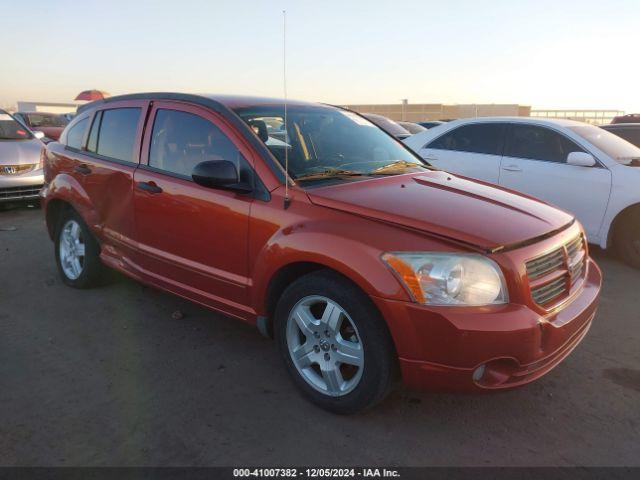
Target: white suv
{"points": [[579, 167]]}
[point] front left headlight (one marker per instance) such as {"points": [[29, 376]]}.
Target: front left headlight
{"points": [[449, 279]]}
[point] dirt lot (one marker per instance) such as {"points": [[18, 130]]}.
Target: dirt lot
{"points": [[108, 377]]}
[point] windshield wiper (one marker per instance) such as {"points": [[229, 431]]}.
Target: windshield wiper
{"points": [[397, 165], [329, 173]]}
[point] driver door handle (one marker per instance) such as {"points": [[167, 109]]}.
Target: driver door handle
{"points": [[149, 187], [512, 168]]}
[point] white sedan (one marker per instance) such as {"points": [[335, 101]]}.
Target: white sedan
{"points": [[579, 167]]}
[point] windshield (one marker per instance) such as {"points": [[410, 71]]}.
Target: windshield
{"points": [[614, 146], [44, 120], [325, 142], [11, 129]]}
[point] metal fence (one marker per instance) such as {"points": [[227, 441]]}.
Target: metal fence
{"points": [[595, 117]]}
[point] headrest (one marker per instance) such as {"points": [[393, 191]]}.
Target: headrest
{"points": [[261, 128]]}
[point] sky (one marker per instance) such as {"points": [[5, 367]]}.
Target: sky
{"points": [[548, 54]]}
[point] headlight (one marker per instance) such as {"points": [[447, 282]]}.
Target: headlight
{"points": [[449, 279]]}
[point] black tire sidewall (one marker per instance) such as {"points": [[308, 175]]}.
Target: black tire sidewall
{"points": [[625, 236], [379, 358]]}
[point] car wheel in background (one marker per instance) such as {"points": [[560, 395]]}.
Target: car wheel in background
{"points": [[627, 238], [77, 252], [334, 343]]}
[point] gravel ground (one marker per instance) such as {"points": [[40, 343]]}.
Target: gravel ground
{"points": [[109, 377]]}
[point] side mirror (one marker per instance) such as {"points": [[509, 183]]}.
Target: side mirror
{"points": [[38, 135], [581, 159], [219, 174]]}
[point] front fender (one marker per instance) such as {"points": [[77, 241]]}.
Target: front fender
{"points": [[354, 259]]}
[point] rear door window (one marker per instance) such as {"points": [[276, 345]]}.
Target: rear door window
{"points": [[539, 143], [113, 133], [485, 138]]}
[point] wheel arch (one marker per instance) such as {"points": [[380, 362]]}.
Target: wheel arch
{"points": [[55, 208], [289, 273], [619, 220], [63, 193]]}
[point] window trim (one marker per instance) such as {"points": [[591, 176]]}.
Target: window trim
{"points": [[143, 105], [260, 191]]}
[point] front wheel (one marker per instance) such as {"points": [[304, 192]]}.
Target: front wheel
{"points": [[334, 343]]}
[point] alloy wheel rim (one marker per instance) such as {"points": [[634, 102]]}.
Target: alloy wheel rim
{"points": [[72, 250], [325, 346]]}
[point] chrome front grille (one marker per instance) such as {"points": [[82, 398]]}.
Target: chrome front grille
{"points": [[552, 275], [19, 193], [545, 264]]}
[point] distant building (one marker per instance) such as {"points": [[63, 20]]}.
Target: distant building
{"points": [[51, 107], [419, 112]]}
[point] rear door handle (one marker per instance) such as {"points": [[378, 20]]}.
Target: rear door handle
{"points": [[150, 187], [512, 168], [82, 169]]}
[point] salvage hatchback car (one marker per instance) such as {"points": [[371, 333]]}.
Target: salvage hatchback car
{"points": [[365, 264]]}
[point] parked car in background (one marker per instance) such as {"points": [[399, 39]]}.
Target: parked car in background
{"points": [[430, 124], [21, 175], [629, 118], [387, 125], [51, 124], [411, 127], [368, 263], [629, 131], [578, 167]]}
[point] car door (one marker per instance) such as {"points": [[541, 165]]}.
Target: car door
{"points": [[473, 150], [192, 240], [103, 159], [535, 163]]}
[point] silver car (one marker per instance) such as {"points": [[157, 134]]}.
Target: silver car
{"points": [[21, 175]]}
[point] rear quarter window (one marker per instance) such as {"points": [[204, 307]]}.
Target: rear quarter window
{"points": [[75, 134]]}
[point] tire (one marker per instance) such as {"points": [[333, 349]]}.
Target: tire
{"points": [[88, 271], [339, 323], [627, 239]]}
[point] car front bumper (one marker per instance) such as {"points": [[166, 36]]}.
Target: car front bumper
{"points": [[487, 348], [14, 188]]}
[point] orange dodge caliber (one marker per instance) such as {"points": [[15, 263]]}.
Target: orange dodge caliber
{"points": [[363, 262]]}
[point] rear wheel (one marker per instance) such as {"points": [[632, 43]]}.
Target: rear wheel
{"points": [[627, 239], [77, 252], [334, 343]]}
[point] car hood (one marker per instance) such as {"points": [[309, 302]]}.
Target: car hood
{"points": [[20, 152], [446, 205]]}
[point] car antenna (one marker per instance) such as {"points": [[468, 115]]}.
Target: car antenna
{"points": [[287, 200]]}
